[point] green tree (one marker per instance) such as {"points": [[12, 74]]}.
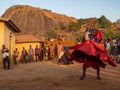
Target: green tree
{"points": [[62, 26], [73, 26], [104, 22], [80, 22], [96, 24], [51, 34], [108, 34], [117, 34], [79, 37]]}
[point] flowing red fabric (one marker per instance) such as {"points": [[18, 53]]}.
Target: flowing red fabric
{"points": [[91, 48], [99, 34], [94, 55]]}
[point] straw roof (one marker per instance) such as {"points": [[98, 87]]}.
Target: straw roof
{"points": [[27, 38]]}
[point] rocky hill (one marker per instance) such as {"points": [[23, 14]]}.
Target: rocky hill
{"points": [[36, 20]]}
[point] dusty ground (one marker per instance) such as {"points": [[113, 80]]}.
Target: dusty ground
{"points": [[51, 76]]}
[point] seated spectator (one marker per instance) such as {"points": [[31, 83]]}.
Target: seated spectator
{"points": [[117, 59], [63, 57]]}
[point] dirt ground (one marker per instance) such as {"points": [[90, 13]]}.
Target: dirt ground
{"points": [[51, 76]]}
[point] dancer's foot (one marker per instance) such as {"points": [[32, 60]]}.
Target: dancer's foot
{"points": [[98, 78], [82, 77]]}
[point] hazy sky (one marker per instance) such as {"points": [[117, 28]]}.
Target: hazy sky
{"points": [[74, 8]]}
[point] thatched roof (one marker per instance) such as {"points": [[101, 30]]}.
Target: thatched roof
{"points": [[27, 38], [11, 24]]}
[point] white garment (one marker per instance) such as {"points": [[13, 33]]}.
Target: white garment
{"points": [[5, 54], [30, 51], [60, 55], [107, 46], [114, 42]]}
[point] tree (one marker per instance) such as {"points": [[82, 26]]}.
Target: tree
{"points": [[104, 22], [96, 24], [81, 22], [62, 26], [73, 26], [51, 34], [79, 37], [117, 34], [108, 34]]}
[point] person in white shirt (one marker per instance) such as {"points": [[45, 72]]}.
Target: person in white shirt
{"points": [[31, 54], [114, 43], [108, 46], [6, 59]]}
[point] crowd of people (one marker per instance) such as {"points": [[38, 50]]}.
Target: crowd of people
{"points": [[46, 53], [57, 51], [113, 48]]}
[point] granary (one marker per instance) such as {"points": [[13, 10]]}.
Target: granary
{"points": [[26, 40], [7, 35]]}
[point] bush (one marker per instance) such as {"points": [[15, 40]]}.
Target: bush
{"points": [[51, 34]]}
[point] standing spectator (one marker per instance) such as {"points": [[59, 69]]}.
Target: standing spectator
{"points": [[59, 48], [31, 54], [108, 46], [56, 51], [41, 52], [6, 58], [15, 56], [118, 44], [45, 51], [37, 54], [24, 56], [51, 52], [114, 46]]}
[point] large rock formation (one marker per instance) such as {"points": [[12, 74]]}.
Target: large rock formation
{"points": [[35, 20]]}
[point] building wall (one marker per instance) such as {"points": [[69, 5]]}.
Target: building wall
{"points": [[7, 37], [1, 34], [26, 46], [63, 43], [1, 40]]}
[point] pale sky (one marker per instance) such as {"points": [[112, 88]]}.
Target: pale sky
{"points": [[74, 8]]}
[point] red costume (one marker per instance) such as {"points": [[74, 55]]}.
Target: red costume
{"points": [[92, 55]]}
